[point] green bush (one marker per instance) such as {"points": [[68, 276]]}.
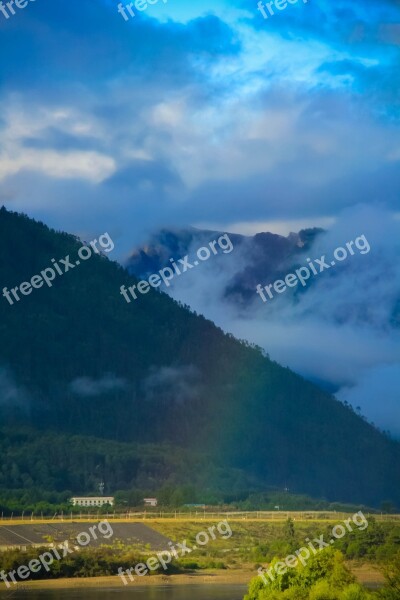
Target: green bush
{"points": [[322, 591], [323, 577], [354, 592]]}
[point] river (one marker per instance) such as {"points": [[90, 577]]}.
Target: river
{"points": [[170, 592]]}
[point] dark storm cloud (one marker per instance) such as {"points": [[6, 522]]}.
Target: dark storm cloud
{"points": [[59, 140], [341, 21], [87, 42]]}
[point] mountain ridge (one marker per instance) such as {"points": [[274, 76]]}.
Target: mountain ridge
{"points": [[268, 255]]}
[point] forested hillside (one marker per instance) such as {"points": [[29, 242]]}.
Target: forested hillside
{"points": [[76, 359]]}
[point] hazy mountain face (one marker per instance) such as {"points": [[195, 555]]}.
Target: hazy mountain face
{"points": [[264, 257], [340, 330]]}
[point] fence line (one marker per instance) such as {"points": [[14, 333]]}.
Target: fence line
{"points": [[198, 515]]}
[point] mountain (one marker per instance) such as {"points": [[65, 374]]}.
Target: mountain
{"points": [[264, 257], [151, 391]]}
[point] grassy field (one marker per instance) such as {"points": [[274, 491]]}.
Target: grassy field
{"points": [[232, 547]]}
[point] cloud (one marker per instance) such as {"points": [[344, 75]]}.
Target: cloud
{"points": [[11, 393], [377, 395], [64, 165], [203, 113], [176, 385], [345, 322], [89, 387], [291, 155], [90, 43]]}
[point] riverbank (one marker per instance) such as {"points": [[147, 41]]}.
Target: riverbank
{"points": [[367, 575], [212, 576]]}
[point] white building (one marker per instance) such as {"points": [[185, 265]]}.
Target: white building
{"points": [[92, 500], [150, 501]]}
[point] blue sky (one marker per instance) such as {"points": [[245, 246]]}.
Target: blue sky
{"points": [[198, 112]]}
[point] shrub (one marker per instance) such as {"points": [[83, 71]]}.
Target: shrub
{"points": [[322, 591], [354, 592]]}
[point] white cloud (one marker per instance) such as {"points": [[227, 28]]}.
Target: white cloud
{"points": [[21, 124], [89, 387], [92, 166], [340, 329], [377, 394], [278, 227]]}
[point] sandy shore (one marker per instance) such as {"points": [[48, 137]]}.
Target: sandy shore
{"points": [[366, 574], [240, 576]]}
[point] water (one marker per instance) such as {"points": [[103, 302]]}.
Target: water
{"points": [[170, 592]]}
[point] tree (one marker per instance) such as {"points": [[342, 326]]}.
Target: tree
{"points": [[391, 591], [323, 577], [288, 530], [388, 507]]}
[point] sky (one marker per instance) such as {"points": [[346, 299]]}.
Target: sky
{"points": [[198, 112], [204, 113]]}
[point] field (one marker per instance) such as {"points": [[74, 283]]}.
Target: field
{"points": [[40, 533], [219, 547]]}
